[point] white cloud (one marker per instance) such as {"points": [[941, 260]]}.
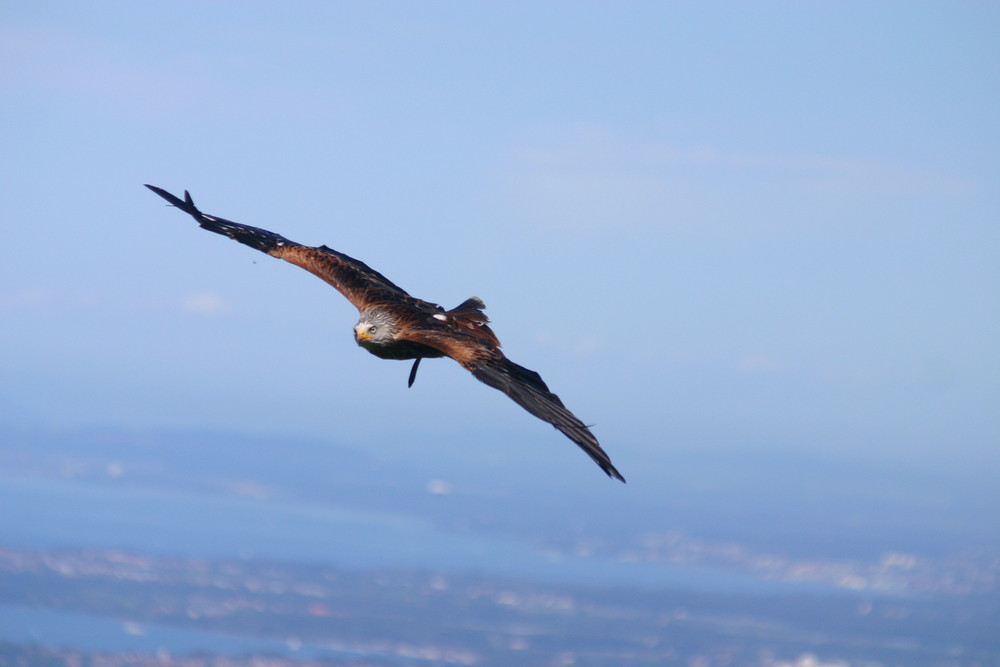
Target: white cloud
{"points": [[205, 303]]}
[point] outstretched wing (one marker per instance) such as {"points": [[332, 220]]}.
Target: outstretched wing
{"points": [[362, 285], [529, 391], [526, 387]]}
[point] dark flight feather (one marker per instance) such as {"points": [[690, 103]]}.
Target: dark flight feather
{"points": [[361, 284], [528, 390]]}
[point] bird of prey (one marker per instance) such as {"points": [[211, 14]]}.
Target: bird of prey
{"points": [[395, 325]]}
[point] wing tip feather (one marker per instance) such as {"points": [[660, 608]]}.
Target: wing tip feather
{"points": [[614, 474]]}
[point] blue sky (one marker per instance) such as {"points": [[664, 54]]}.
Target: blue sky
{"points": [[749, 225]]}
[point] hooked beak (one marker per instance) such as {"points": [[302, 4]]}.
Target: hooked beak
{"points": [[361, 334]]}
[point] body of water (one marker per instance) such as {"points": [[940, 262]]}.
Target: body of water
{"points": [[42, 513]]}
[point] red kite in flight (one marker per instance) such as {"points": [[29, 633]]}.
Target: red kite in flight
{"points": [[395, 325]]}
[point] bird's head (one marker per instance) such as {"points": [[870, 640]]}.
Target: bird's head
{"points": [[375, 328]]}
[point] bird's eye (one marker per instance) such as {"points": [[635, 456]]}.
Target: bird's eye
{"points": [[372, 329]]}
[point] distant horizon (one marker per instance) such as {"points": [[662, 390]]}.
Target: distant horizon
{"points": [[774, 502]]}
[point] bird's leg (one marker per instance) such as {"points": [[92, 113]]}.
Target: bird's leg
{"points": [[413, 372]]}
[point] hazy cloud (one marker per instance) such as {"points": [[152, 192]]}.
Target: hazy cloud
{"points": [[26, 298], [44, 298], [756, 363], [589, 177], [205, 303], [88, 71]]}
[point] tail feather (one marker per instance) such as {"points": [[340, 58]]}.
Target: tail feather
{"points": [[470, 315], [528, 390], [471, 305]]}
